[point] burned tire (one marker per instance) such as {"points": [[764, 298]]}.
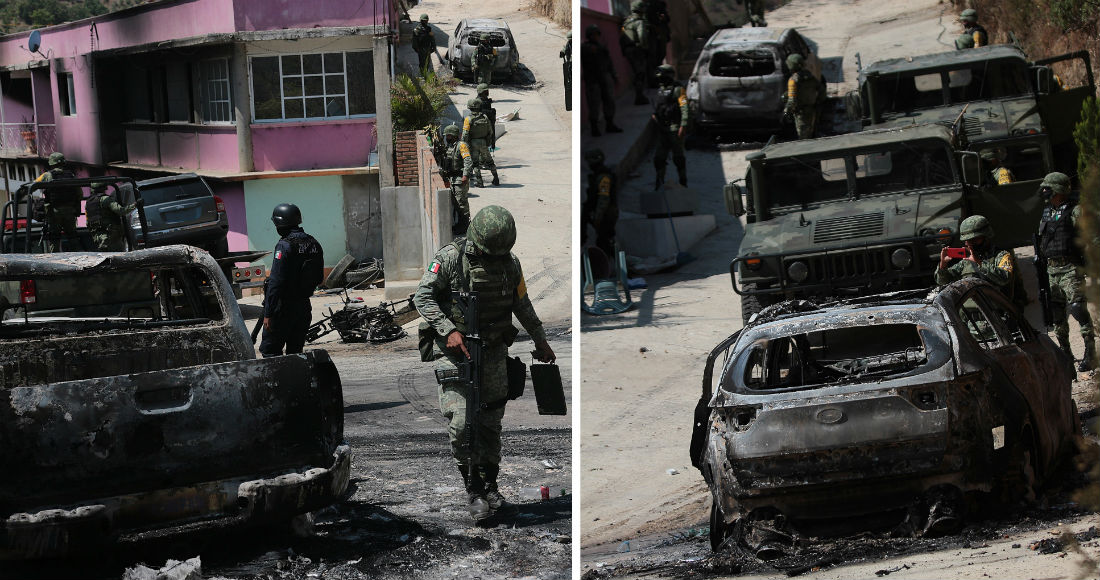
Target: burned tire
{"points": [[335, 278], [367, 272], [719, 531]]}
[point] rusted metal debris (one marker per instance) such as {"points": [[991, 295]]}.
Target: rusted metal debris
{"points": [[356, 322]]}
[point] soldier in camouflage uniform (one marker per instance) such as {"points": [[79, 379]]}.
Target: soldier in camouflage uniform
{"points": [[481, 263], [755, 10], [490, 112], [477, 132], [460, 166], [62, 206], [994, 158], [657, 18], [971, 28], [671, 115], [601, 204], [984, 260], [484, 60], [964, 41], [423, 41], [802, 94], [1065, 264], [105, 218], [598, 73], [634, 42]]}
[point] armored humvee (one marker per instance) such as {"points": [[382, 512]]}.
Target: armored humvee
{"points": [[856, 213]]}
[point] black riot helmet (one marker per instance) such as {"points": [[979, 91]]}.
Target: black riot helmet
{"points": [[286, 215]]}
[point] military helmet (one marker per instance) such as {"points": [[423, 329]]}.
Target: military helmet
{"points": [[56, 158], [969, 15], [423, 17], [493, 231], [795, 61], [451, 130], [484, 39], [975, 226], [591, 30], [964, 41], [99, 186], [1057, 182], [482, 88], [569, 35], [666, 70], [594, 156], [637, 6], [474, 104], [286, 215]]}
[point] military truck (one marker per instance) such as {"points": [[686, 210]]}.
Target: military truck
{"points": [[863, 212], [157, 421]]}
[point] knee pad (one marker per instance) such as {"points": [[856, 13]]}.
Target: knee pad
{"points": [[1079, 311]]}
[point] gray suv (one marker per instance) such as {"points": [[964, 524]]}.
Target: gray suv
{"points": [[181, 209]]}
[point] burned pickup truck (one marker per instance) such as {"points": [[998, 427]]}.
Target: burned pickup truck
{"points": [[147, 411], [894, 412]]}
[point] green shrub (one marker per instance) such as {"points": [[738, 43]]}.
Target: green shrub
{"points": [[418, 102]]}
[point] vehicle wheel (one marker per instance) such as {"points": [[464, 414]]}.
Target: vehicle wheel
{"points": [[752, 303], [719, 530], [335, 278]]}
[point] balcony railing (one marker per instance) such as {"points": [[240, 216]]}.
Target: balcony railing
{"points": [[27, 139]]}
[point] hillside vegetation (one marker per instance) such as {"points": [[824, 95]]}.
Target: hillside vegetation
{"points": [[20, 15]]}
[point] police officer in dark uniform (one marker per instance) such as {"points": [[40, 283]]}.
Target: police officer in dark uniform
{"points": [[296, 269]]}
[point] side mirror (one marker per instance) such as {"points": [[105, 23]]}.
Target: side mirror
{"points": [[971, 167], [734, 205]]}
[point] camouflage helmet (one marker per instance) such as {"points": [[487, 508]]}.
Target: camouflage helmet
{"points": [[474, 104], [98, 186], [482, 88], [964, 41], [1057, 182], [591, 30], [637, 6], [795, 61], [493, 231], [56, 158], [666, 70], [451, 130], [969, 15], [423, 17], [594, 156], [975, 226]]}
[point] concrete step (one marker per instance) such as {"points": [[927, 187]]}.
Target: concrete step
{"points": [[653, 237]]}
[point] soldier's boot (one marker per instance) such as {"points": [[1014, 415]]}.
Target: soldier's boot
{"points": [[595, 128], [612, 127], [478, 181], [681, 170], [475, 495], [1090, 355], [492, 492], [496, 178]]}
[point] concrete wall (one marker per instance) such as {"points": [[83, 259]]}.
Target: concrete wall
{"points": [[275, 14], [77, 135], [209, 147], [363, 216], [312, 145], [232, 194], [321, 200]]}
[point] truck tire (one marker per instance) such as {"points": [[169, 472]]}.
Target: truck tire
{"points": [[750, 303], [335, 278], [366, 273]]}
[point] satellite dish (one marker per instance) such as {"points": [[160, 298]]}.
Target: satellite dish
{"points": [[34, 42]]}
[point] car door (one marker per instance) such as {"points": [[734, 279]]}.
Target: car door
{"points": [[1015, 207]]}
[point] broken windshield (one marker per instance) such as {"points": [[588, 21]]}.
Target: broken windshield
{"points": [[834, 356]]}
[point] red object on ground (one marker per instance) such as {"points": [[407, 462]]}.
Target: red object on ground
{"points": [[545, 491]]}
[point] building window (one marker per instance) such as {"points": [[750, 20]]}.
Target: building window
{"points": [[331, 85], [65, 94], [217, 106]]}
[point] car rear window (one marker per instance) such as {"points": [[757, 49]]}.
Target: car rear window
{"points": [[833, 356], [173, 191], [496, 39], [742, 63]]}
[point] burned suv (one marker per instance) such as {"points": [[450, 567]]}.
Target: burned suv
{"points": [[462, 47], [894, 411], [740, 78]]}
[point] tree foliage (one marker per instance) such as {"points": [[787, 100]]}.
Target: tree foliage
{"points": [[418, 102], [19, 15]]}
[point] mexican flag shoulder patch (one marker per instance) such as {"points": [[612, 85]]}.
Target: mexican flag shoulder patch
{"points": [[278, 254], [434, 267]]}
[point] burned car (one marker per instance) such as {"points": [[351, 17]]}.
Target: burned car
{"points": [[902, 411], [462, 46], [740, 78], [157, 418]]}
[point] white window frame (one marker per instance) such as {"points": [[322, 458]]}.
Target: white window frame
{"points": [[208, 86], [302, 75]]}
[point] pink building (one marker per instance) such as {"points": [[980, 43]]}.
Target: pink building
{"points": [[268, 100]]}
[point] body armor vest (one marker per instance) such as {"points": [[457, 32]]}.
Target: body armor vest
{"points": [[308, 262], [494, 278], [65, 196], [479, 126], [422, 38], [1056, 234], [668, 105], [807, 88], [94, 211], [451, 164]]}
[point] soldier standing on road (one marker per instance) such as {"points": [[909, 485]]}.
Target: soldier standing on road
{"points": [[460, 166], [802, 95], [600, 79], [983, 260], [490, 112], [482, 263], [105, 215], [423, 41], [62, 205], [657, 17], [484, 60], [671, 115], [634, 42], [971, 28], [477, 132], [566, 55], [297, 267], [1065, 264], [601, 204]]}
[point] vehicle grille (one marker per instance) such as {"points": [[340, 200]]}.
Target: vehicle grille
{"points": [[848, 266], [848, 227], [971, 126]]}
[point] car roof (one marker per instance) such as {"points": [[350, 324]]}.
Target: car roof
{"points": [[945, 59], [168, 179], [746, 35], [486, 23], [868, 138], [34, 265]]}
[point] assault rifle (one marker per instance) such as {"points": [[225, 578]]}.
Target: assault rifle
{"points": [[470, 373], [1044, 282]]}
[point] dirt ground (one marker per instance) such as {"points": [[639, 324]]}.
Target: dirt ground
{"points": [[644, 509]]}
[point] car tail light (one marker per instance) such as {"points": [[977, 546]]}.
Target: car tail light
{"points": [[28, 294], [219, 204]]}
